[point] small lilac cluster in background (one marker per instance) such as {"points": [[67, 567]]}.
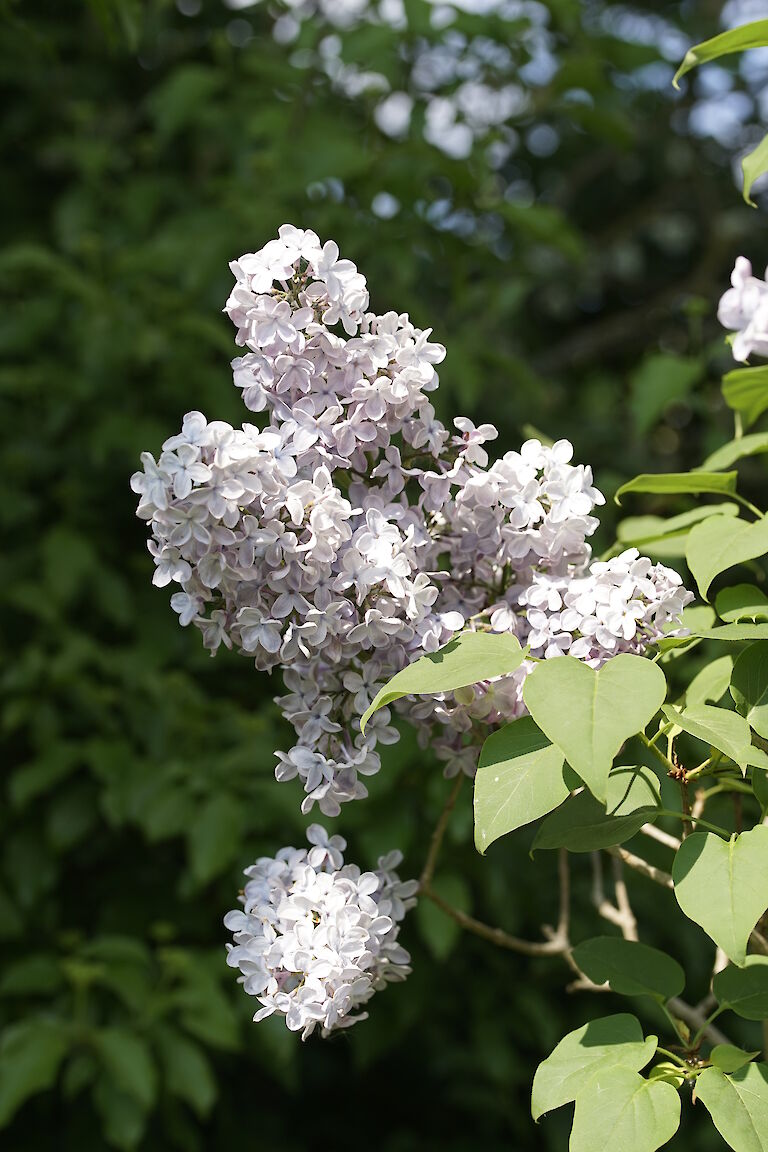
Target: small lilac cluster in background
{"points": [[338, 537], [744, 310], [316, 937]]}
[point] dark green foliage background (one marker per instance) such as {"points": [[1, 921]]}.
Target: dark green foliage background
{"points": [[142, 151]]}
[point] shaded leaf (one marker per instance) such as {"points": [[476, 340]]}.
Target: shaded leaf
{"points": [[754, 165], [744, 990], [630, 968], [749, 686], [31, 1053], [582, 824]]}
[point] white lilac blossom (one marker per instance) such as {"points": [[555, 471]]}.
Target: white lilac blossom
{"points": [[316, 937], [744, 310], [347, 531]]}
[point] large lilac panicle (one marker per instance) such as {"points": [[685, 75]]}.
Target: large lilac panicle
{"points": [[349, 532], [316, 937]]}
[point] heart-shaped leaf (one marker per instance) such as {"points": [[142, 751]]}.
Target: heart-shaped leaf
{"points": [[723, 885], [583, 824], [745, 390], [727, 731], [469, 658], [749, 686], [744, 990], [620, 1110], [742, 602], [721, 542], [590, 714], [630, 968], [605, 1043], [519, 779], [738, 1105]]}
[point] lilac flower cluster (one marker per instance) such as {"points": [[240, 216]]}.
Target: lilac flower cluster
{"points": [[350, 532], [744, 309], [316, 937]]}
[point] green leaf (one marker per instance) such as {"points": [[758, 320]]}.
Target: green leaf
{"points": [[749, 686], [31, 1053], [519, 779], [760, 789], [735, 450], [711, 684], [469, 658], [213, 836], [738, 1105], [720, 543], [630, 968], [666, 536], [582, 824], [745, 390], [123, 1119], [126, 1057], [621, 1110], [754, 165], [440, 932], [187, 1070], [721, 729], [612, 1041], [744, 990], [660, 381], [729, 1058], [590, 714], [723, 885], [734, 633], [742, 602], [679, 483], [753, 35]]}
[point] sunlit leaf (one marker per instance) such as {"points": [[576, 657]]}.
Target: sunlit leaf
{"points": [[736, 450], [612, 1041], [722, 542], [619, 1109], [754, 165], [745, 390], [753, 35], [467, 659], [680, 483], [590, 714], [742, 602], [720, 728], [723, 885], [738, 1105]]}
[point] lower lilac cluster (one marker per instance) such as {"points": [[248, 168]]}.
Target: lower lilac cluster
{"points": [[317, 937]]}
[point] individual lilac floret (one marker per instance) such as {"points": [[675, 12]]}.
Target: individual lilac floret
{"points": [[316, 937], [744, 309], [349, 532]]}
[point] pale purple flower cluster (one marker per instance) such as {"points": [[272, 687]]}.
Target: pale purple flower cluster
{"points": [[350, 532], [316, 937], [744, 309]]}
